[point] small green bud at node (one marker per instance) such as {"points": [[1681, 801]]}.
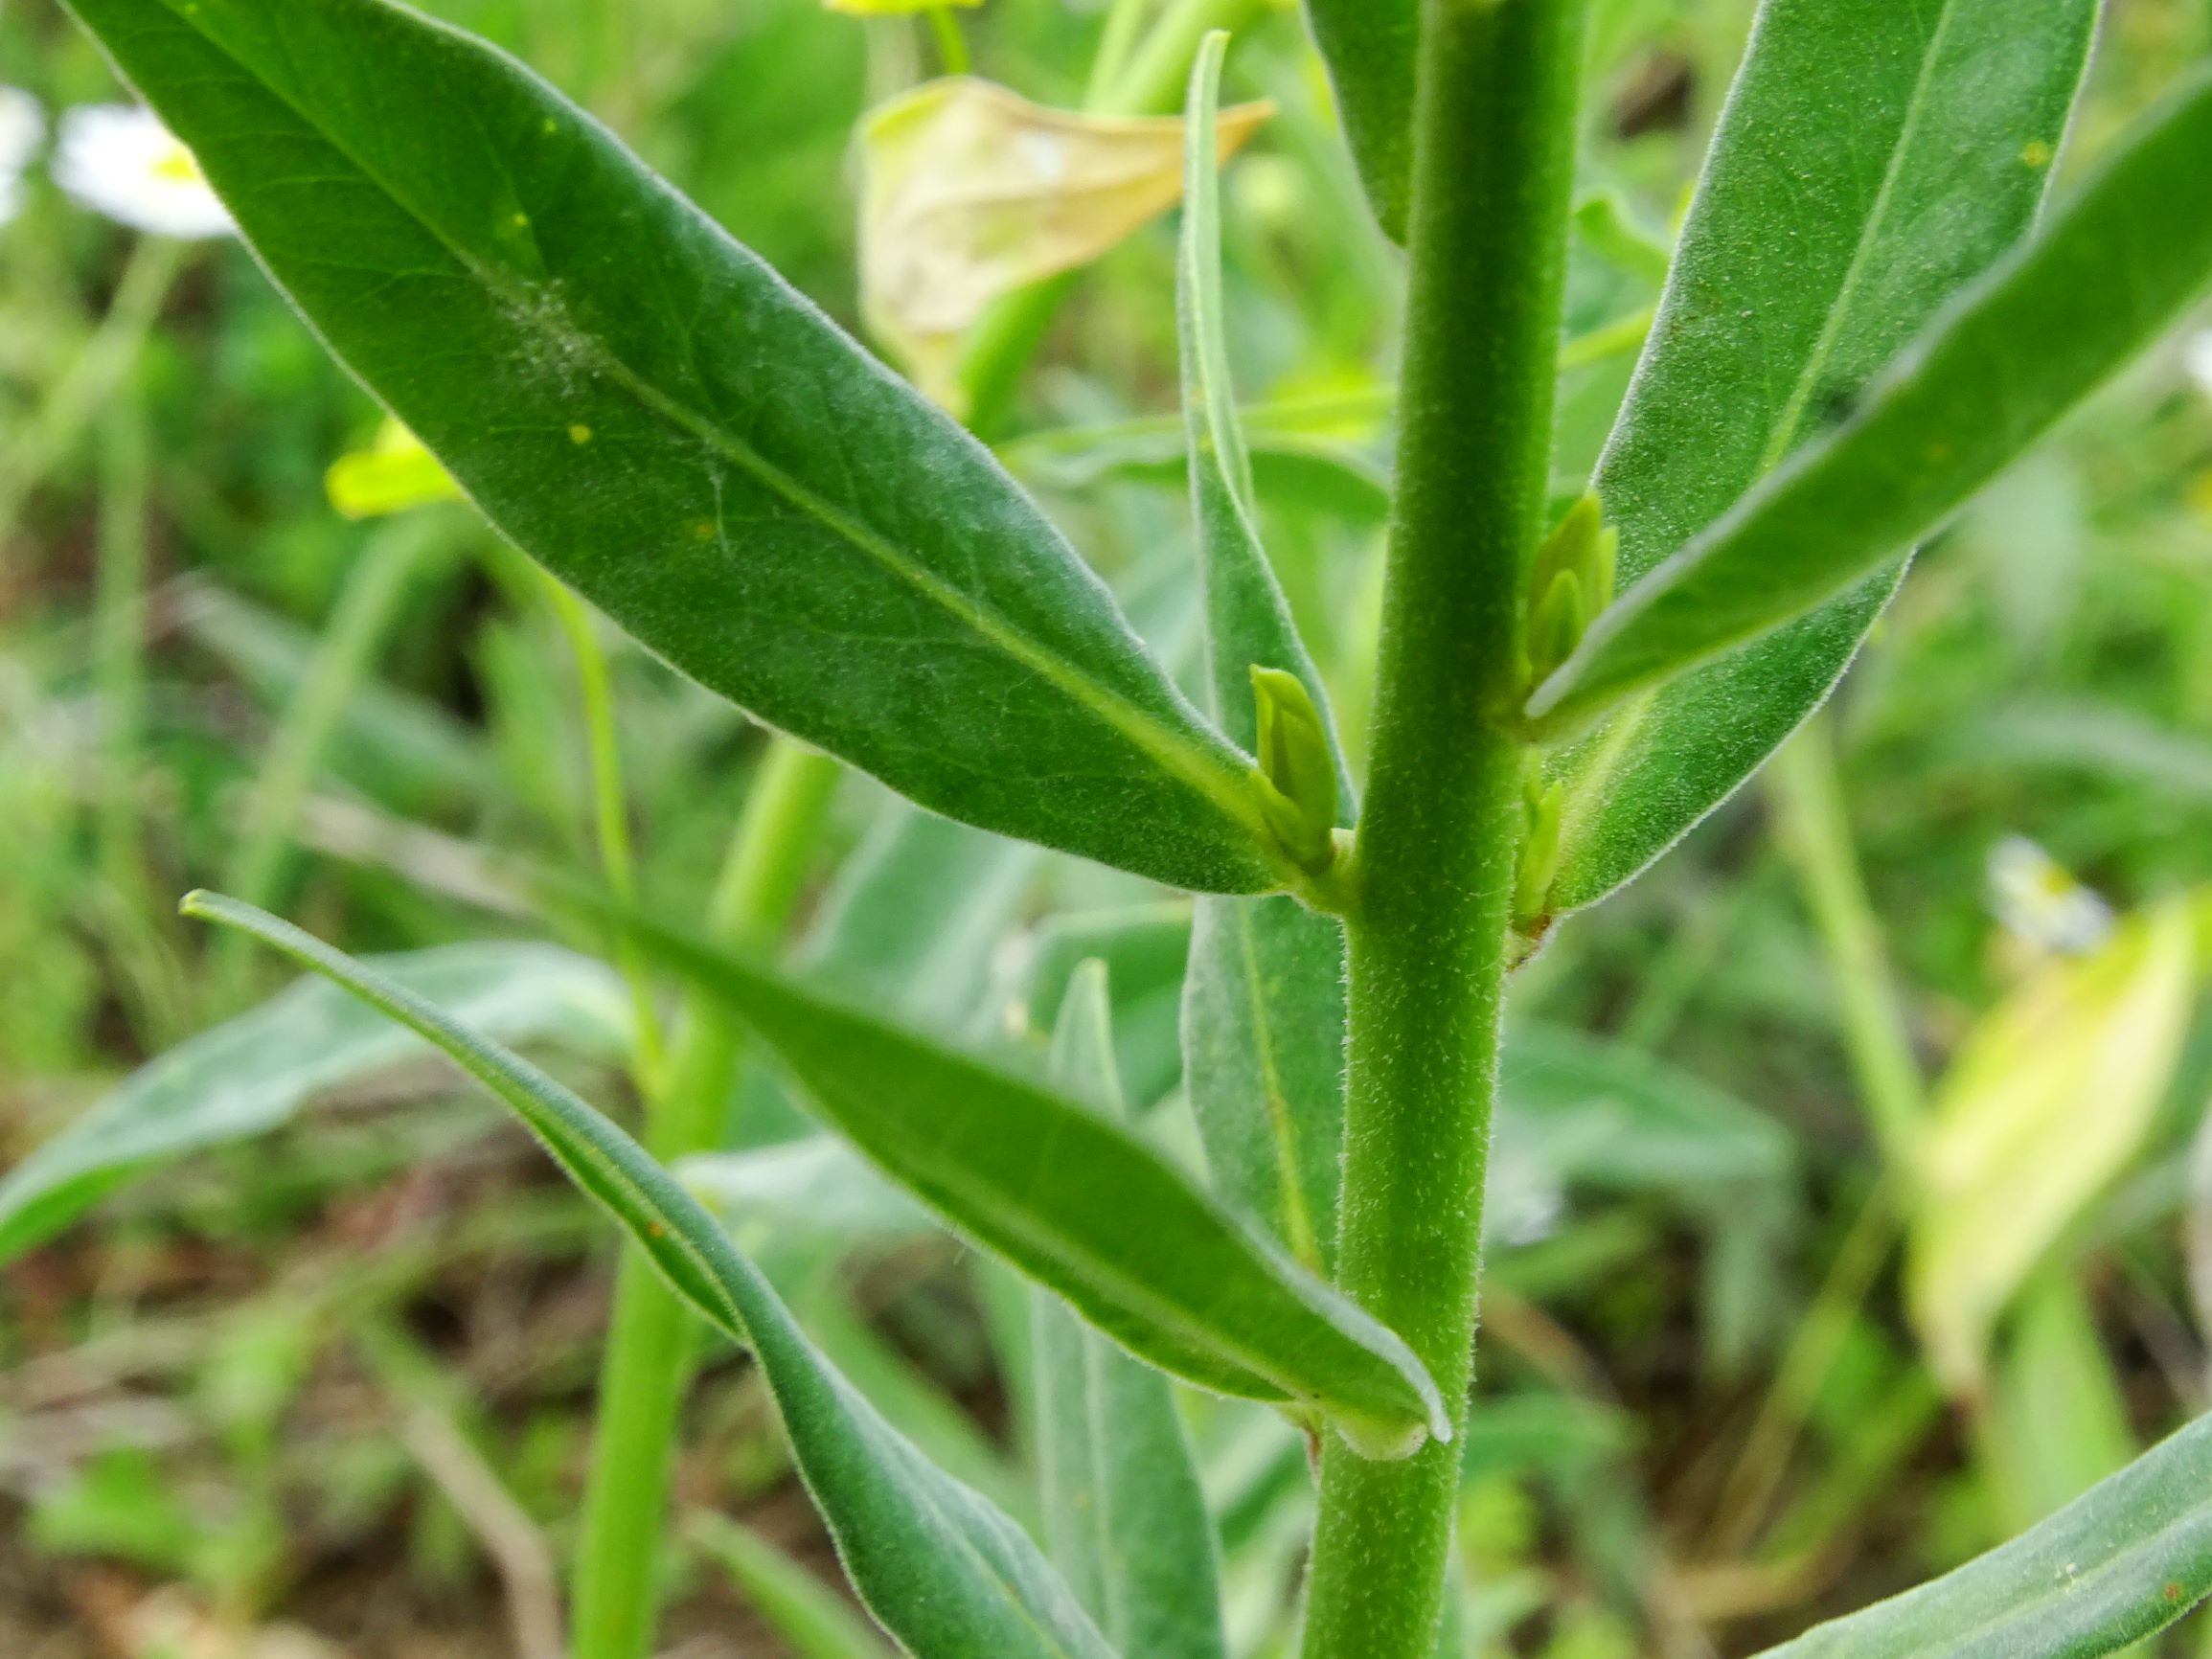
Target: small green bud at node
{"points": [[1296, 776], [1568, 545], [1540, 849], [1555, 627]]}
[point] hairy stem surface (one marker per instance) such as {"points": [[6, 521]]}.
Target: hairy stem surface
{"points": [[1440, 832]]}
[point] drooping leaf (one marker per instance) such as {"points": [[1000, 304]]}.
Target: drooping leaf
{"points": [[1077, 1203], [250, 1075], [813, 1621], [1263, 996], [2121, 1563], [1371, 47], [909, 1398], [640, 404], [2049, 1098], [945, 1572], [2042, 331], [1871, 160], [1124, 1520], [970, 192]]}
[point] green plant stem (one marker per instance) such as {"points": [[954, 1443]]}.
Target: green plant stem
{"points": [[1150, 81], [1815, 834], [368, 604], [1117, 39], [1440, 834], [77, 397], [119, 636], [653, 1338], [951, 43], [609, 812]]}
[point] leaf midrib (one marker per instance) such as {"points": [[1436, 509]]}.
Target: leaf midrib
{"points": [[1215, 782], [1140, 1297], [1619, 742], [1784, 437]]}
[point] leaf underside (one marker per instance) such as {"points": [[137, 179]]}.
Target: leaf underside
{"points": [[1870, 161], [644, 407]]}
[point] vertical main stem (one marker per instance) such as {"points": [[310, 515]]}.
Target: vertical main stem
{"points": [[1441, 829], [653, 1338]]}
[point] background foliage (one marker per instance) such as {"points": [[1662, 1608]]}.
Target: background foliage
{"points": [[332, 1387]]}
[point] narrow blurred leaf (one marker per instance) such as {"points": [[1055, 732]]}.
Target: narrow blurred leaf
{"points": [[404, 750], [1870, 161], [2124, 1560], [817, 1186], [2056, 1422], [1263, 996], [2048, 1098], [1143, 947], [1124, 1520], [250, 1075], [970, 192], [916, 913], [948, 1574], [812, 1619], [639, 402], [2042, 331], [1078, 1204], [1611, 1117], [1370, 46]]}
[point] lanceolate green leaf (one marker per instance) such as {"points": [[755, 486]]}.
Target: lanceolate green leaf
{"points": [[1124, 1520], [2124, 1560], [1263, 999], [648, 409], [251, 1074], [1870, 161], [1371, 47], [1077, 1203], [948, 1574], [2026, 344]]}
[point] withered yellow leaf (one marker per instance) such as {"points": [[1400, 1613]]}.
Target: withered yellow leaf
{"points": [[970, 192], [2050, 1097]]}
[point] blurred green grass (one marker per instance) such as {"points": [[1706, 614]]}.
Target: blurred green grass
{"points": [[185, 1393]]}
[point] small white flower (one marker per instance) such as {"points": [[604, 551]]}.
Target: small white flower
{"points": [[120, 160], [2040, 902], [22, 125], [2196, 359]]}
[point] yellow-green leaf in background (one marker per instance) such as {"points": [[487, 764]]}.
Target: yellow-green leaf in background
{"points": [[970, 192], [891, 7], [392, 475], [2048, 1098]]}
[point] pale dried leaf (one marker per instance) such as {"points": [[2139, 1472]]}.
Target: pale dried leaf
{"points": [[970, 192], [2049, 1098]]}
